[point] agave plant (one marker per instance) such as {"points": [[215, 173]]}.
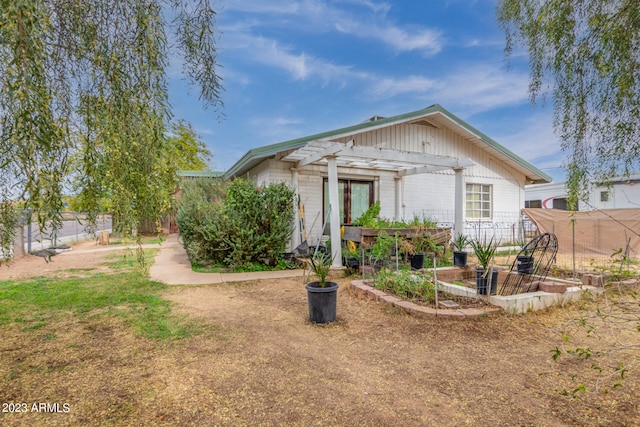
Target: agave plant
{"points": [[460, 242], [484, 250]]}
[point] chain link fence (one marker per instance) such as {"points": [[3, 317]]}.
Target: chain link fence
{"points": [[75, 227], [510, 228]]}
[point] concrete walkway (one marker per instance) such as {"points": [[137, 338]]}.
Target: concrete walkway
{"points": [[172, 267]]}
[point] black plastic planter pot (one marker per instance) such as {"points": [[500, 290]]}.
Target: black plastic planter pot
{"points": [[482, 282], [417, 261], [322, 301], [460, 259], [351, 262], [525, 264]]}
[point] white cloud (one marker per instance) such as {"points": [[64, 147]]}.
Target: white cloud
{"points": [[534, 140], [263, 6], [425, 40], [393, 86], [300, 65], [470, 89], [276, 128], [205, 131], [377, 7], [314, 16], [400, 39], [480, 87]]}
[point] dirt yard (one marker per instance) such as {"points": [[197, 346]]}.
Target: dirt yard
{"points": [[265, 364]]}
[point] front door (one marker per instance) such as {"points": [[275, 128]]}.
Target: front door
{"points": [[355, 198]]}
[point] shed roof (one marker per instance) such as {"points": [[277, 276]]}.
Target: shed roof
{"points": [[436, 114]]}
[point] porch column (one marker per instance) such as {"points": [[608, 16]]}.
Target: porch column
{"points": [[295, 239], [398, 211], [334, 203], [458, 226]]}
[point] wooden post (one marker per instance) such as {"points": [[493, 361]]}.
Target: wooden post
{"points": [[18, 242], [104, 237]]}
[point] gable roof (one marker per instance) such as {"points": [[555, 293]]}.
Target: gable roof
{"points": [[254, 156]]}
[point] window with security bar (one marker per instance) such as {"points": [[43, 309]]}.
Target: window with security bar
{"points": [[479, 202]]}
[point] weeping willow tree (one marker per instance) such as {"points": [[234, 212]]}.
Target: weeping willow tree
{"points": [[84, 94], [586, 55]]}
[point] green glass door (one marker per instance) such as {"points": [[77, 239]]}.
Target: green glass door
{"points": [[355, 198]]}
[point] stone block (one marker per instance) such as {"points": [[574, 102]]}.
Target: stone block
{"points": [[376, 294], [530, 287], [449, 275], [450, 314], [388, 299], [407, 306], [595, 280], [473, 312], [361, 286], [626, 283], [424, 312], [553, 287]]}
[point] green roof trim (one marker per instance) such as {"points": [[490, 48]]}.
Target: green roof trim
{"points": [[254, 156]]}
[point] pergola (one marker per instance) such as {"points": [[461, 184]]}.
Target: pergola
{"points": [[335, 154]]}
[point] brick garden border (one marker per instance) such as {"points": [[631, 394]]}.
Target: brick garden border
{"points": [[360, 287]]}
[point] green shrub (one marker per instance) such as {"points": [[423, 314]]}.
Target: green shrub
{"points": [[236, 224], [202, 220], [260, 222]]}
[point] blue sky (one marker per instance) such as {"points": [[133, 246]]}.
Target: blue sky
{"points": [[295, 68]]}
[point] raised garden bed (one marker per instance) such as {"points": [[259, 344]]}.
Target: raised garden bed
{"points": [[441, 235], [457, 285], [462, 301], [421, 310]]}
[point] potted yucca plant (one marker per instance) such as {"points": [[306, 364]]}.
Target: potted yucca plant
{"points": [[422, 243], [321, 294], [460, 243], [485, 251]]}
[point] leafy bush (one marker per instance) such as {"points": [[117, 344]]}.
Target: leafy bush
{"points": [[260, 222], [369, 217], [202, 220], [236, 224]]}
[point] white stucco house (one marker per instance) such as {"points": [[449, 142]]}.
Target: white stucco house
{"points": [[427, 163]]}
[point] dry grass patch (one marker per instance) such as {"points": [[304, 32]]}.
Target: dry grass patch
{"points": [[252, 358]]}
